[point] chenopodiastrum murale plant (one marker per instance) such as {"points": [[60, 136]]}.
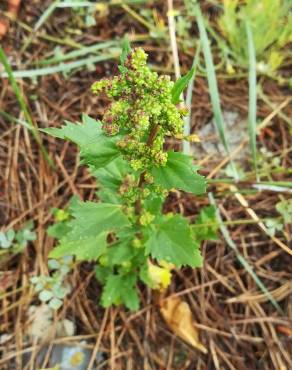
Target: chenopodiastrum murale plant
{"points": [[125, 231]]}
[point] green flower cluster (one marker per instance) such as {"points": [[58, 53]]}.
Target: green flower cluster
{"points": [[142, 111]]}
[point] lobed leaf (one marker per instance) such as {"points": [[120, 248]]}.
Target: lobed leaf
{"points": [[99, 153], [120, 289], [96, 148], [81, 134], [94, 217], [179, 173], [171, 240], [85, 249], [206, 225], [110, 177], [86, 238]]}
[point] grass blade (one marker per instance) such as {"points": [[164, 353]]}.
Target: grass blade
{"points": [[189, 96], [212, 82], [109, 45], [88, 4], [252, 100], [15, 120], [23, 106], [46, 14], [64, 67], [76, 4], [43, 18]]}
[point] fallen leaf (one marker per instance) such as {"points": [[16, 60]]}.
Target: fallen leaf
{"points": [[7, 279], [42, 321], [178, 316]]}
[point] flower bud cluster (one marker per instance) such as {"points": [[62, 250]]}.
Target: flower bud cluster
{"points": [[146, 218], [141, 102], [130, 192]]}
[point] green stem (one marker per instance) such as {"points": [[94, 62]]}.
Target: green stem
{"points": [[149, 143]]}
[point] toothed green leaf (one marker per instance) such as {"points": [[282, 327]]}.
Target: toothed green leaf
{"points": [[120, 289], [85, 249], [99, 153], [96, 149], [86, 238], [206, 225], [171, 240], [179, 173], [90, 218], [79, 133]]}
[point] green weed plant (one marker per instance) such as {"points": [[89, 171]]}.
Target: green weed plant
{"points": [[126, 232]]}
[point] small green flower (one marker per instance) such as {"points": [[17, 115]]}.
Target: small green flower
{"points": [[146, 218], [142, 100], [137, 243]]}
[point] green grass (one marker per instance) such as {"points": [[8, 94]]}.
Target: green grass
{"points": [[43, 18], [189, 96], [64, 67], [23, 105], [212, 82], [271, 23], [46, 14], [14, 119], [252, 103], [85, 4], [111, 46]]}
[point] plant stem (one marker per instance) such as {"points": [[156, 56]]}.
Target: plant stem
{"points": [[149, 143]]}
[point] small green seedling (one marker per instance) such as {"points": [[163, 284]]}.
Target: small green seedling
{"points": [[273, 225], [14, 242], [53, 289], [284, 207], [125, 232]]}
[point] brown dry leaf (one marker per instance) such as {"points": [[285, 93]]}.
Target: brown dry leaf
{"points": [[7, 278], [179, 318]]}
